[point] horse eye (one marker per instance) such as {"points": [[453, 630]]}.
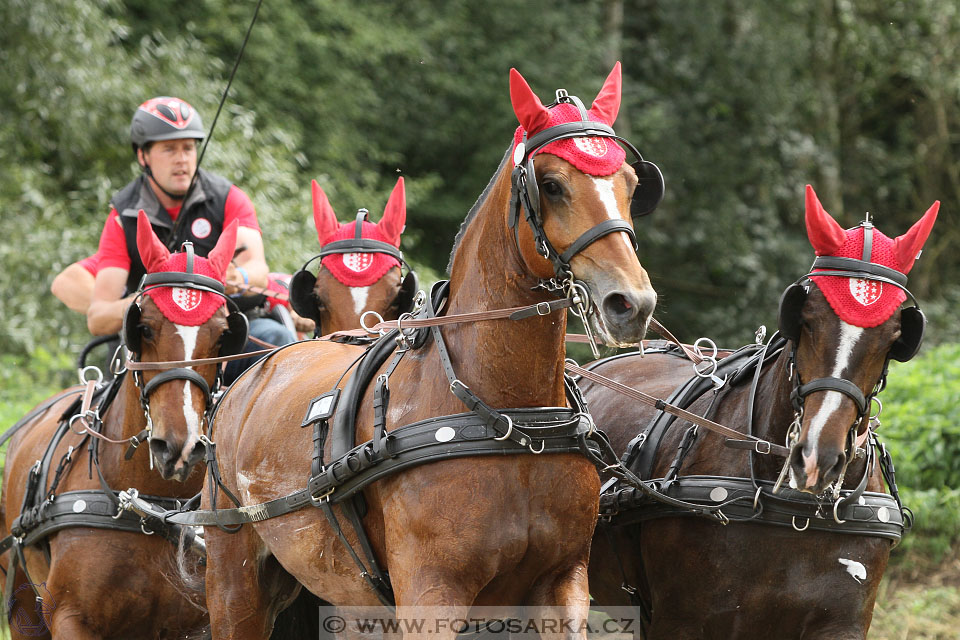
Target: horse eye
{"points": [[146, 332], [552, 188]]}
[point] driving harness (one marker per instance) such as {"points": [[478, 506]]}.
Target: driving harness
{"points": [[482, 430], [44, 511]]}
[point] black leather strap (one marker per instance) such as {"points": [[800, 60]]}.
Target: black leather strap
{"points": [[360, 245], [877, 515], [592, 235], [831, 384], [176, 279], [851, 267]]}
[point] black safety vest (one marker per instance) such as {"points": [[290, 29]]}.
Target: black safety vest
{"points": [[200, 220]]}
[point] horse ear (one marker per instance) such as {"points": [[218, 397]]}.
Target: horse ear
{"points": [[824, 233], [531, 113], [607, 104], [907, 247], [395, 215], [221, 255], [323, 216], [153, 253]]}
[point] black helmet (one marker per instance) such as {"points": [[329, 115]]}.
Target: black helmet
{"points": [[165, 118]]}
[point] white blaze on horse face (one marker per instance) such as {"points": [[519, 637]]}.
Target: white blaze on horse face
{"points": [[605, 192], [855, 569], [190, 416], [849, 336], [359, 298]]}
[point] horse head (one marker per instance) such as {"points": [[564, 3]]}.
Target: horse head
{"points": [[359, 267], [577, 198], [180, 314], [846, 320]]}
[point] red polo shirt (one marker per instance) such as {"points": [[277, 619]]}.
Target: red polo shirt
{"points": [[113, 243]]}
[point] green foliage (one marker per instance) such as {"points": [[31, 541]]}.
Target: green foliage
{"points": [[920, 429], [919, 418]]}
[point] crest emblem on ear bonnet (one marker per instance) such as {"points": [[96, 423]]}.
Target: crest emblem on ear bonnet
{"points": [[863, 302], [595, 156]]}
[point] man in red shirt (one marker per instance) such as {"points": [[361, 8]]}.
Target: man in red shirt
{"points": [[183, 204]]}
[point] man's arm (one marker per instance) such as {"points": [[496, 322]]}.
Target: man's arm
{"points": [[74, 287], [107, 306], [251, 259]]}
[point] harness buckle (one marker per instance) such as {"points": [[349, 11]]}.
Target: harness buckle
{"points": [[762, 450], [543, 309], [320, 500]]}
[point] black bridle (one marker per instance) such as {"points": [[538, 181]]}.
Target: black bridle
{"points": [[791, 303], [525, 192], [232, 341], [525, 195]]}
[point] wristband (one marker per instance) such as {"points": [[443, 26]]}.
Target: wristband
{"points": [[246, 276]]}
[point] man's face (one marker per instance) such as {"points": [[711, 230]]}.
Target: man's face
{"points": [[172, 162]]}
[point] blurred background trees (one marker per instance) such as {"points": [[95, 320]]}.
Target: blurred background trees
{"points": [[740, 102]]}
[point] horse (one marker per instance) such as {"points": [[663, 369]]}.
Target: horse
{"points": [[92, 593], [811, 388], [146, 569], [440, 530]]}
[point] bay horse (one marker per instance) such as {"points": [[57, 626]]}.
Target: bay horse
{"points": [[693, 578], [96, 595], [492, 530], [106, 583]]}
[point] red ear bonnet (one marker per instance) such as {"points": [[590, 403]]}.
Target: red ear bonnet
{"points": [[360, 269], [862, 302], [180, 305], [323, 216], [595, 156]]}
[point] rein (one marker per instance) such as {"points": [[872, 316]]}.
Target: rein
{"points": [[760, 446]]}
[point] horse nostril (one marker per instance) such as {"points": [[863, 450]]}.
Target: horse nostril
{"points": [[837, 467], [162, 451], [196, 453], [619, 307]]}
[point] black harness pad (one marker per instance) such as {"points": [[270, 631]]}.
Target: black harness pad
{"points": [[789, 313], [408, 291], [234, 338], [649, 191], [303, 299], [912, 326], [130, 333]]}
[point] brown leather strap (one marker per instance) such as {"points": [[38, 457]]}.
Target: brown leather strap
{"points": [[657, 403]]}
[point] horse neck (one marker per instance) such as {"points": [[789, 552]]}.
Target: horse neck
{"points": [[507, 363]]}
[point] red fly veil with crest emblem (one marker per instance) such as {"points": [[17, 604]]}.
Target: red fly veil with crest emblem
{"points": [[594, 155], [360, 269], [189, 307], [863, 303]]}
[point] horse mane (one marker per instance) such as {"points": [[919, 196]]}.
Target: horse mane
{"points": [[476, 205]]}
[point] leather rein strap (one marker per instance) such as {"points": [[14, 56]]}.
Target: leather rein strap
{"points": [[760, 445]]}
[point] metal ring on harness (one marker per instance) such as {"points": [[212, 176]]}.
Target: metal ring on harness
{"points": [[363, 322], [509, 428], [793, 523], [836, 516], [82, 372], [118, 363], [73, 419], [543, 445], [756, 498]]}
